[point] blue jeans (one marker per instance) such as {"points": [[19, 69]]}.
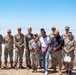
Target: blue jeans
{"points": [[45, 58]]}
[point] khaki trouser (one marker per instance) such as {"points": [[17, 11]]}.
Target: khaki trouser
{"points": [[34, 60], [28, 61], [19, 55], [69, 66], [10, 53], [40, 61], [51, 53], [57, 59]]}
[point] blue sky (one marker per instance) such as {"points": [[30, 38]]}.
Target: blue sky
{"points": [[37, 14]]}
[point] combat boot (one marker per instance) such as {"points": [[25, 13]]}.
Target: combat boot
{"points": [[69, 72], [54, 70], [5, 65], [66, 71], [59, 71], [16, 67], [21, 66]]}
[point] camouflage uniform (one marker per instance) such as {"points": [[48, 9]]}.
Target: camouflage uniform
{"points": [[19, 41], [51, 36], [40, 35], [40, 54], [69, 45], [34, 55], [8, 40], [64, 36], [1, 40], [57, 42], [28, 37], [56, 59]]}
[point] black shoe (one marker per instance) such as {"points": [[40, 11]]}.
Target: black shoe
{"points": [[5, 66], [15, 67], [12, 67], [66, 71], [70, 72], [29, 67], [21, 67]]}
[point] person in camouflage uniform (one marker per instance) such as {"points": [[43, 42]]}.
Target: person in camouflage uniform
{"points": [[8, 41], [65, 36], [51, 36], [19, 44], [34, 46], [57, 44], [28, 37], [69, 47], [1, 40]]}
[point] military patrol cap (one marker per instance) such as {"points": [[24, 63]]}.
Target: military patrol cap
{"points": [[56, 32], [19, 28], [29, 28], [67, 27], [35, 34], [53, 27], [8, 31]]}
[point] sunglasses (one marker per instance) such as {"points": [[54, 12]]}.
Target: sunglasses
{"points": [[9, 32], [66, 29], [53, 28]]}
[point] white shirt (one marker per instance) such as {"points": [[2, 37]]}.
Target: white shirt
{"points": [[44, 42]]}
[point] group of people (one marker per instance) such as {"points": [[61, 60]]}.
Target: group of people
{"points": [[37, 49]]}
